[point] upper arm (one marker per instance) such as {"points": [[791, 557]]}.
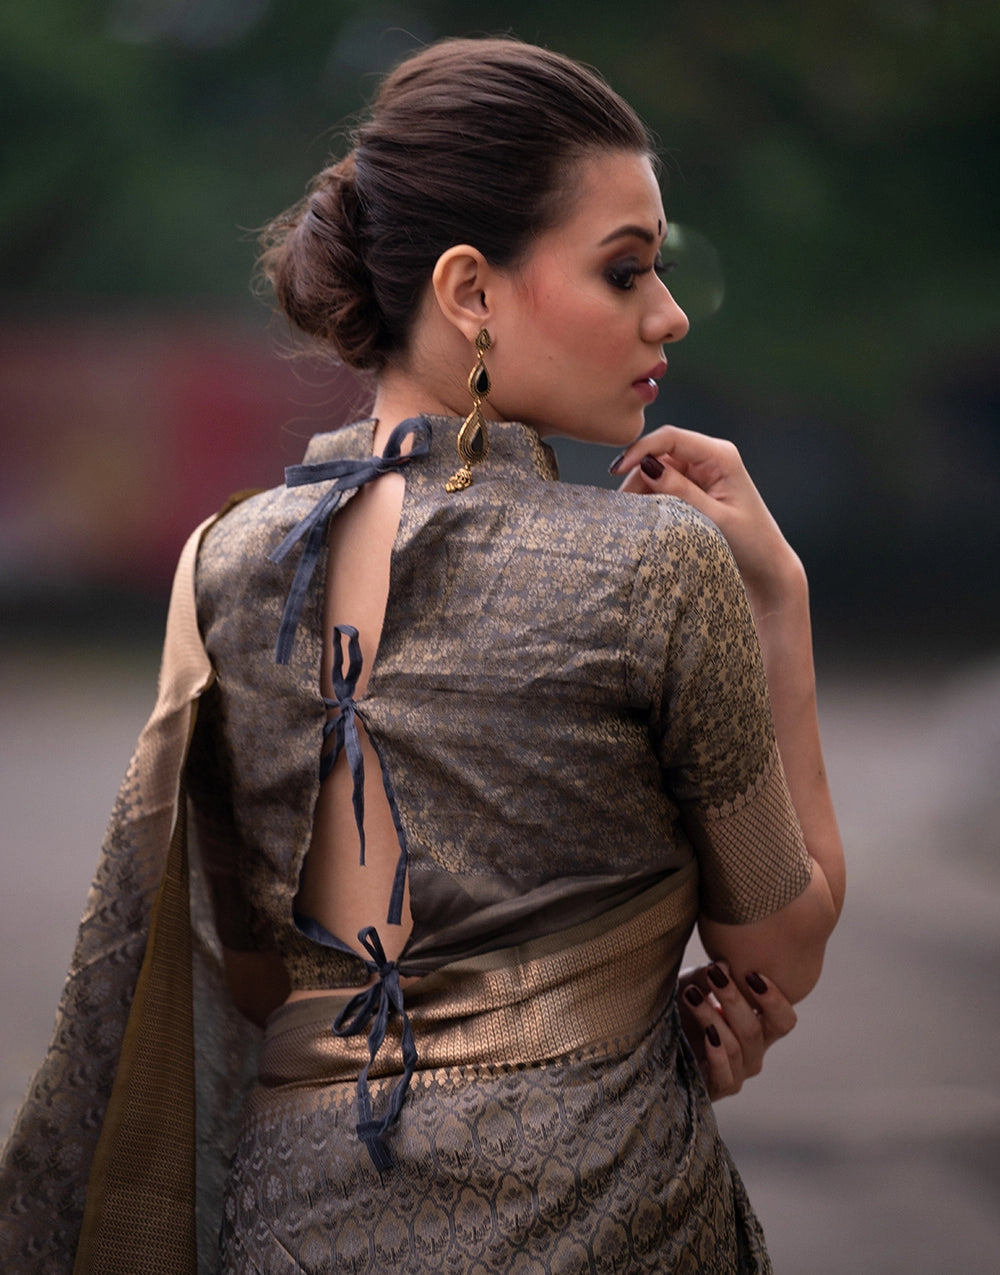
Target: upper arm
{"points": [[763, 899], [257, 982]]}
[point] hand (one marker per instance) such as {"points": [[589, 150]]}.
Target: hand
{"points": [[728, 1030], [709, 474]]}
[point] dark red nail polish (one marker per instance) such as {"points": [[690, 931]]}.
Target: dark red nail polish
{"points": [[756, 984], [651, 467], [693, 996], [711, 1031], [613, 467], [718, 976]]}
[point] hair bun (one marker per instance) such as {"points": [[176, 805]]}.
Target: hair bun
{"points": [[468, 142], [313, 257]]}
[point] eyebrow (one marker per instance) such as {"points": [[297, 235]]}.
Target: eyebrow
{"points": [[630, 231]]}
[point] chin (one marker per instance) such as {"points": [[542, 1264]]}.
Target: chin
{"points": [[627, 433]]}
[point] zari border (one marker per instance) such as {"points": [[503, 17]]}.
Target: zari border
{"points": [[140, 1209]]}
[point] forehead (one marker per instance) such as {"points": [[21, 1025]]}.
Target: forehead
{"points": [[613, 191]]}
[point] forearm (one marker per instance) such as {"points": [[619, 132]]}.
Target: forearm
{"points": [[780, 606]]}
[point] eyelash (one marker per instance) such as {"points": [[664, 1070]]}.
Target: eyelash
{"points": [[623, 277]]}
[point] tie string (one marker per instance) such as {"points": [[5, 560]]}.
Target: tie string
{"points": [[345, 475]]}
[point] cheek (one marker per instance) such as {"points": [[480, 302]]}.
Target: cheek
{"points": [[580, 329]]}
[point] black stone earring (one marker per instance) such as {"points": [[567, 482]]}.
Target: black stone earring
{"points": [[473, 442]]}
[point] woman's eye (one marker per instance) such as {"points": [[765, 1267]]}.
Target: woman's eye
{"points": [[622, 275]]}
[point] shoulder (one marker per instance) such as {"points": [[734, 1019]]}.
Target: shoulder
{"points": [[234, 569], [663, 528], [246, 524], [687, 589]]}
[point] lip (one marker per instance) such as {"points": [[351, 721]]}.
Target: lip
{"points": [[656, 372], [646, 386]]}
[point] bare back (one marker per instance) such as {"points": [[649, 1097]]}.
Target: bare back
{"points": [[335, 888]]}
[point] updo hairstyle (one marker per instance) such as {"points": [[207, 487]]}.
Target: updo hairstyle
{"points": [[469, 141]]}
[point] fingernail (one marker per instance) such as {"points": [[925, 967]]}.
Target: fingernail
{"points": [[651, 467], [756, 984], [693, 996], [711, 1031], [717, 976], [613, 467]]}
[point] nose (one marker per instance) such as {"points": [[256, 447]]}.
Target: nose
{"points": [[667, 321]]}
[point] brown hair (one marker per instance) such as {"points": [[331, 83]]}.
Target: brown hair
{"points": [[469, 141]]}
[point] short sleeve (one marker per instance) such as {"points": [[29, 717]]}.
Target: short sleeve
{"points": [[712, 725]]}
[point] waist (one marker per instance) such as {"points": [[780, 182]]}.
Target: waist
{"points": [[593, 987]]}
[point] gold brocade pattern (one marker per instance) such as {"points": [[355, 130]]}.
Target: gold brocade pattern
{"points": [[569, 705], [580, 1165], [554, 996], [558, 666], [516, 1153]]}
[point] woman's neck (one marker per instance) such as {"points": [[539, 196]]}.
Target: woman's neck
{"points": [[398, 396]]}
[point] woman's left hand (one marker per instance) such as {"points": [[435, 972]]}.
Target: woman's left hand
{"points": [[709, 474], [729, 1030]]}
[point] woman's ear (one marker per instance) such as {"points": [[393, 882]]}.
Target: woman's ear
{"points": [[463, 283]]}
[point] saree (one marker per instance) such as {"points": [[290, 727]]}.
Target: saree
{"points": [[555, 1122], [644, 734], [117, 1154]]}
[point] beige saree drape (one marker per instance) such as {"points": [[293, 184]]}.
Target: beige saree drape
{"points": [[99, 1172]]}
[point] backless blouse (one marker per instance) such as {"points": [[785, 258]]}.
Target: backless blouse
{"points": [[568, 704]]}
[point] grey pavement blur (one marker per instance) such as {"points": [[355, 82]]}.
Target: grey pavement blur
{"points": [[871, 1143]]}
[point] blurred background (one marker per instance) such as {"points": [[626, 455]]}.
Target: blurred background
{"points": [[831, 174]]}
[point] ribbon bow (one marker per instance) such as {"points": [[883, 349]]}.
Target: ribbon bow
{"points": [[346, 475], [344, 727], [372, 1008]]}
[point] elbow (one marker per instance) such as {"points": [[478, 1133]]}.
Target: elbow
{"points": [[797, 963], [787, 947], [796, 977]]}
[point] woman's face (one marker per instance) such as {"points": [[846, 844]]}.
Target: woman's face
{"points": [[579, 326]]}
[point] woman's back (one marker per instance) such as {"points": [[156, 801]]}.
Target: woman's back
{"points": [[335, 888], [548, 657], [543, 659]]}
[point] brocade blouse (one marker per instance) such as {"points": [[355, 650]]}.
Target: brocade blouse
{"points": [[567, 702]]}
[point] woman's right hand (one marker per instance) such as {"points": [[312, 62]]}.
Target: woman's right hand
{"points": [[709, 474], [729, 1030]]}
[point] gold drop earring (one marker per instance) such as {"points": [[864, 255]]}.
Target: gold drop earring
{"points": [[473, 442]]}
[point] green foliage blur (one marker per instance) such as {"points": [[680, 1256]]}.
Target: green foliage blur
{"points": [[832, 168]]}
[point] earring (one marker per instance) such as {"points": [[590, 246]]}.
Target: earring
{"points": [[473, 443]]}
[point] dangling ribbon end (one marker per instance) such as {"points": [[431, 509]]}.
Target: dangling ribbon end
{"points": [[369, 1132]]}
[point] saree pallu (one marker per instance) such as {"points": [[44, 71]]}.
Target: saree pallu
{"points": [[556, 1123]]}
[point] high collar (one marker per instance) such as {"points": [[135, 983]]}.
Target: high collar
{"points": [[516, 451]]}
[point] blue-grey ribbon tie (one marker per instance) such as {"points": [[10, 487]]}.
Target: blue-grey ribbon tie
{"points": [[346, 475], [344, 727], [372, 1009]]}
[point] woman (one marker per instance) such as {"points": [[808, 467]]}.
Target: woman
{"points": [[473, 752]]}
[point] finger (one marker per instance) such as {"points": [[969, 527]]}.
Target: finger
{"points": [[777, 1013], [693, 1031], [687, 449], [721, 1079], [683, 444], [658, 474], [713, 1041], [657, 441], [741, 1017]]}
